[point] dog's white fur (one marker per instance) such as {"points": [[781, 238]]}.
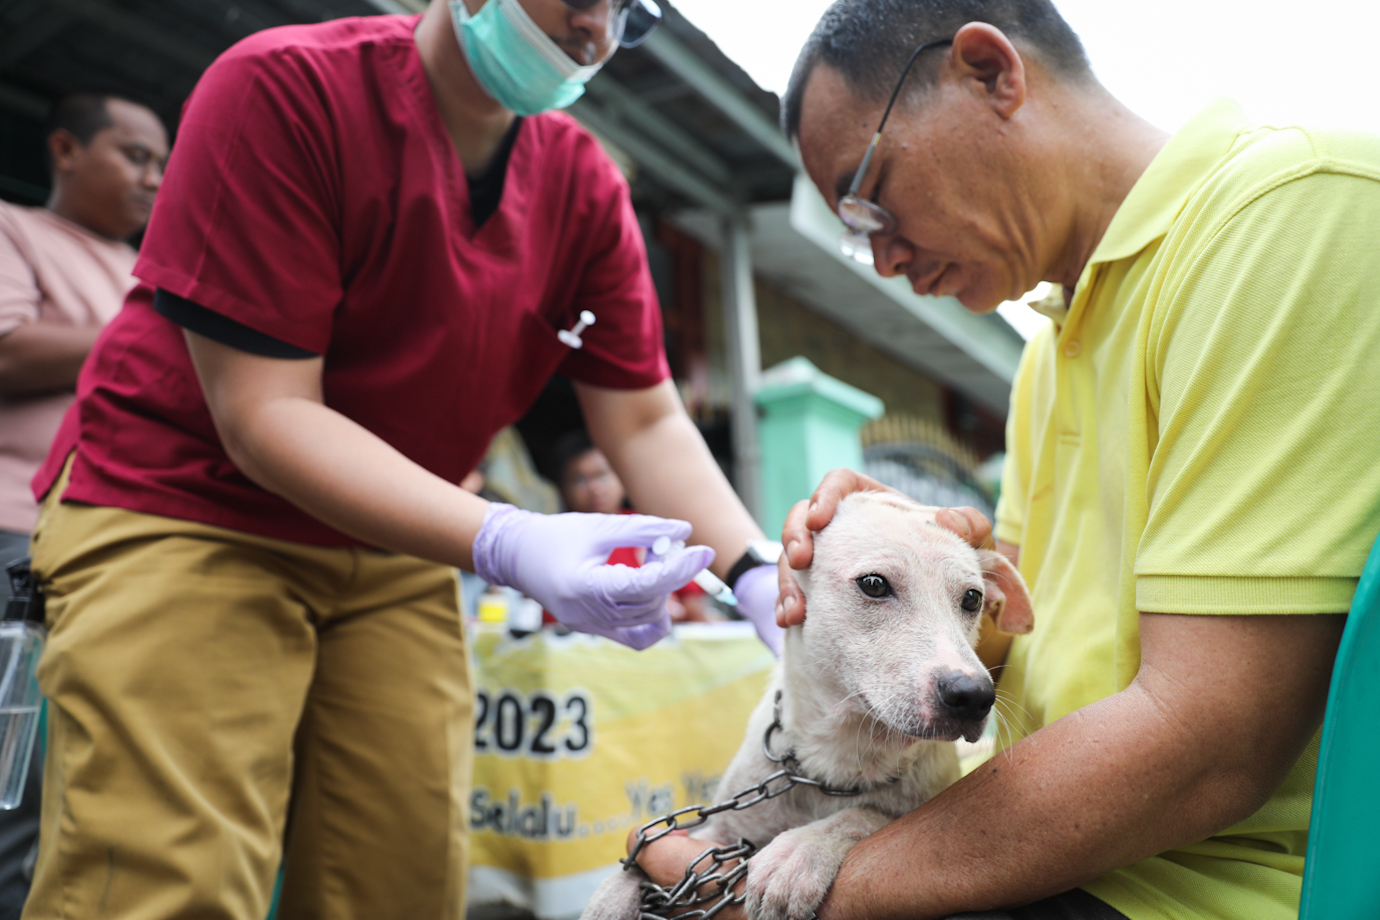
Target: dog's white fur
{"points": [[859, 704]]}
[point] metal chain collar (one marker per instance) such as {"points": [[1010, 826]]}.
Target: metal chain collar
{"points": [[706, 869]]}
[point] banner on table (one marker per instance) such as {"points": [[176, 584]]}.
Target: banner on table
{"points": [[579, 739]]}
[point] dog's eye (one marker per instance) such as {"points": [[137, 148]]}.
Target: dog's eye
{"points": [[972, 600], [874, 586]]}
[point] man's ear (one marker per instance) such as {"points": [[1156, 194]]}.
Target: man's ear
{"points": [[1005, 596], [63, 148], [984, 53]]}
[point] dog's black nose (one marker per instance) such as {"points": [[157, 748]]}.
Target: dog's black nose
{"points": [[966, 697]]}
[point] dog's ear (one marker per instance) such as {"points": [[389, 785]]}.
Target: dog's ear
{"points": [[1005, 597]]}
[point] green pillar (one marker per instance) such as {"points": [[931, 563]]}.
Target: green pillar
{"points": [[809, 426]]}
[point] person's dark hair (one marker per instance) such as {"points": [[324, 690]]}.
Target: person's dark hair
{"points": [[569, 446], [80, 114], [868, 42]]}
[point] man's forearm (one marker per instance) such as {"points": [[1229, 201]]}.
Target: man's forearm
{"points": [[43, 358], [1101, 788]]}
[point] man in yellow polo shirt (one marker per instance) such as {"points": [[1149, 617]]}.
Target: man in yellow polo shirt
{"points": [[1194, 458], [1189, 437]]}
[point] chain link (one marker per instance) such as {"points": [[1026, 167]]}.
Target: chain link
{"points": [[658, 902]]}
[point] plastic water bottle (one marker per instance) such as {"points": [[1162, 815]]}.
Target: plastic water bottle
{"points": [[21, 645]]}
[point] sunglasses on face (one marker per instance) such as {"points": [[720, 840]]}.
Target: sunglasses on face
{"points": [[865, 219], [630, 21]]}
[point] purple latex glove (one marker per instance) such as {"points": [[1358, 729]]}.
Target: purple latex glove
{"points": [[756, 590], [559, 560]]}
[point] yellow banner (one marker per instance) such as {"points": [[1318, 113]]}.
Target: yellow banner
{"points": [[579, 739]]}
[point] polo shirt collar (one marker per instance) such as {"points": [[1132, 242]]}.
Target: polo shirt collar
{"points": [[1052, 305], [1162, 190]]}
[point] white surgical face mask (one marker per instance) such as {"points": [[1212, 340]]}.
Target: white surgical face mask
{"points": [[516, 62]]}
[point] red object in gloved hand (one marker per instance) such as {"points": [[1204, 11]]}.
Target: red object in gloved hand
{"points": [[559, 560]]}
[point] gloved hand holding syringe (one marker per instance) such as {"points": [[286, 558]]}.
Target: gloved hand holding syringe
{"points": [[755, 598], [756, 590], [706, 579], [560, 560]]}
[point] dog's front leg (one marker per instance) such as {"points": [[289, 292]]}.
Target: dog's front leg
{"points": [[618, 898], [789, 878]]}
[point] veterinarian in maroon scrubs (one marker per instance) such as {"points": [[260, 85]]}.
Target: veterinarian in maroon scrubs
{"points": [[370, 237]]}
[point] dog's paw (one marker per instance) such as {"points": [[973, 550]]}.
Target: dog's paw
{"points": [[619, 897], [789, 878]]}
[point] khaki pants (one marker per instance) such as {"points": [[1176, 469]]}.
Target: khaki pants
{"points": [[213, 694]]}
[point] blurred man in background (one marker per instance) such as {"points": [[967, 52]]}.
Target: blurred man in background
{"points": [[64, 271], [590, 485]]}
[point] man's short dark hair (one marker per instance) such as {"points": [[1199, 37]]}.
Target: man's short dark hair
{"points": [[868, 42], [568, 448], [81, 115]]}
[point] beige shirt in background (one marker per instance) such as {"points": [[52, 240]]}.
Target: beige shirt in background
{"points": [[51, 271]]}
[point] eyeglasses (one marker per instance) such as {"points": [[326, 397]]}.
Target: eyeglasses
{"points": [[631, 21], [865, 218]]}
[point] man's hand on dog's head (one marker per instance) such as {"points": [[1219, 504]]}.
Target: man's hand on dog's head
{"points": [[797, 535]]}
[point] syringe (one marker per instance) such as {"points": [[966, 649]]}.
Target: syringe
{"points": [[706, 579]]}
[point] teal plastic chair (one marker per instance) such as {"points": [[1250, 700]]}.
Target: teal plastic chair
{"points": [[1341, 878]]}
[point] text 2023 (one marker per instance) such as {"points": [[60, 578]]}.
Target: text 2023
{"points": [[537, 725]]}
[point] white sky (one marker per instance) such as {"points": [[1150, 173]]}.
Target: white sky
{"points": [[1311, 61]]}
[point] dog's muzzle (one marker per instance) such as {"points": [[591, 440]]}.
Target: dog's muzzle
{"points": [[963, 697]]}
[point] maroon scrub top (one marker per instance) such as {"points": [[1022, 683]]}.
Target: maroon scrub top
{"points": [[315, 196]]}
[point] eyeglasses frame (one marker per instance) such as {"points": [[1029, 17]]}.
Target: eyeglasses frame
{"points": [[856, 240], [619, 11]]}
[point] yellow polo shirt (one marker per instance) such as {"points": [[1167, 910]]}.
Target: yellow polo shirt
{"points": [[1200, 434]]}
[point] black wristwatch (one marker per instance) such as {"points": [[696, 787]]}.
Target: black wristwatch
{"points": [[759, 552]]}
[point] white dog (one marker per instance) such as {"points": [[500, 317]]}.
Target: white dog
{"points": [[874, 689]]}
